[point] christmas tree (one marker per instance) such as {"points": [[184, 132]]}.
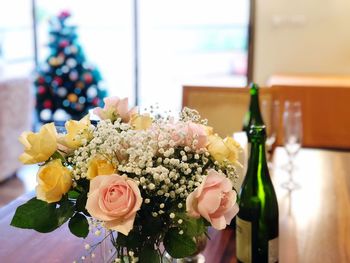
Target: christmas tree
{"points": [[67, 85]]}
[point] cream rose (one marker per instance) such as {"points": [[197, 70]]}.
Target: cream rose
{"points": [[77, 132], [115, 200], [115, 108], [38, 147], [54, 180], [99, 166], [190, 134], [214, 199], [141, 122], [223, 150]]}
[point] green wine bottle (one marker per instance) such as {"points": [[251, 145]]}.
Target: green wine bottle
{"points": [[257, 219], [253, 115]]}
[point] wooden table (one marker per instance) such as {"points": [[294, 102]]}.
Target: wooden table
{"points": [[314, 220]]}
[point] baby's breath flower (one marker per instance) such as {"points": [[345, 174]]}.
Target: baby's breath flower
{"points": [[165, 170]]}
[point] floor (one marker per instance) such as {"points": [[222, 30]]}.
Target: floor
{"points": [[24, 181]]}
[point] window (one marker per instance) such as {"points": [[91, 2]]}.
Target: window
{"points": [[192, 42], [177, 42], [16, 36]]}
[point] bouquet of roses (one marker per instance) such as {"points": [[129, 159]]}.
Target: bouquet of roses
{"points": [[155, 183]]}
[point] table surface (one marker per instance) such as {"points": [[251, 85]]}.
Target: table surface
{"points": [[314, 219]]}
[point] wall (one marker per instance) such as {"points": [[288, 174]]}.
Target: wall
{"points": [[301, 36]]}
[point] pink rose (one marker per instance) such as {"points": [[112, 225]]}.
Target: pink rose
{"points": [[186, 133], [214, 199], [114, 108], [115, 200]]}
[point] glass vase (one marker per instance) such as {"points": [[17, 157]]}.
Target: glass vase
{"points": [[197, 257]]}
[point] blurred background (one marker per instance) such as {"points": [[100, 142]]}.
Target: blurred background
{"points": [[144, 50], [59, 59]]}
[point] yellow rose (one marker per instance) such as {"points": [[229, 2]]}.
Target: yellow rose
{"points": [[38, 147], [141, 122], [99, 166], [222, 150], [234, 148], [77, 131], [54, 180], [209, 130]]}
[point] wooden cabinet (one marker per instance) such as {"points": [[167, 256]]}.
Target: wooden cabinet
{"points": [[325, 104]]}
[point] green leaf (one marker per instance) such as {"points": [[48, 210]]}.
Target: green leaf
{"points": [[81, 203], [79, 225], [58, 155], [132, 240], [149, 255], [178, 246], [36, 214], [65, 211], [151, 226], [121, 240], [192, 226], [83, 185], [72, 194]]}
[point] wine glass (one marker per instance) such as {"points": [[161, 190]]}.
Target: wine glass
{"points": [[292, 123], [271, 113]]}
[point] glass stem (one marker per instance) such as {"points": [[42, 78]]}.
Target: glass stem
{"points": [[291, 168]]}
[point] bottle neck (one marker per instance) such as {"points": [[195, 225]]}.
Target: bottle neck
{"points": [[257, 161], [254, 108], [253, 116]]}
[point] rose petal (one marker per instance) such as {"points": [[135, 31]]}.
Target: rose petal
{"points": [[209, 202], [192, 205], [122, 109], [123, 227], [111, 102], [96, 182], [231, 213], [218, 223], [227, 202], [92, 206]]}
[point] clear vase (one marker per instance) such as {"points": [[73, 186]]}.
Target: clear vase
{"points": [[197, 257], [107, 249]]}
